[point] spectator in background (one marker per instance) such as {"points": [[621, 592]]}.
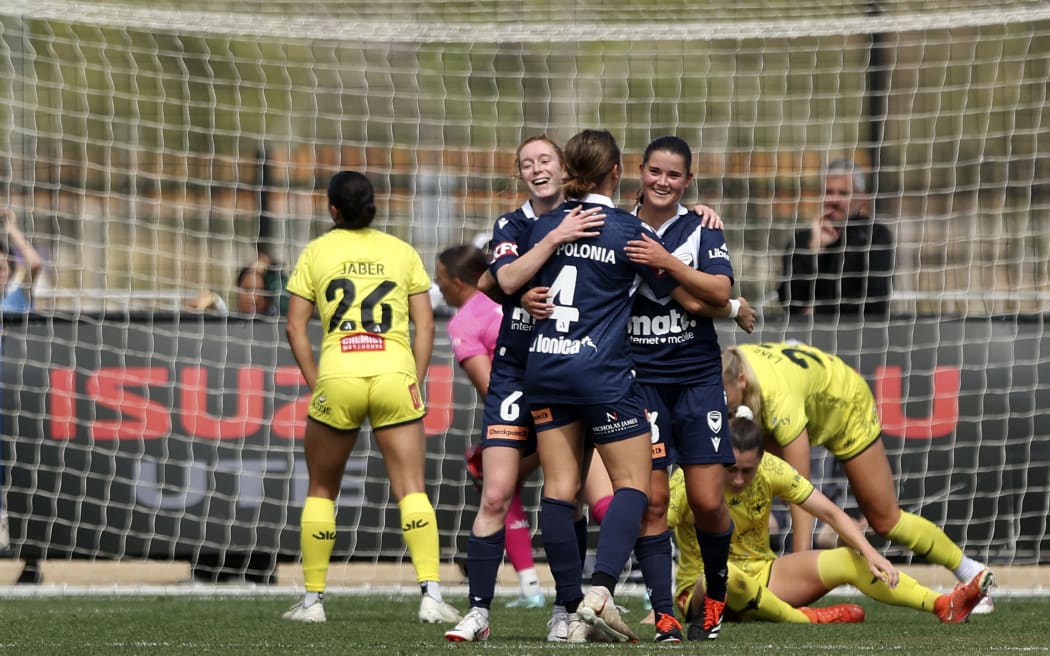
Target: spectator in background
{"points": [[257, 292], [19, 265], [842, 264]]}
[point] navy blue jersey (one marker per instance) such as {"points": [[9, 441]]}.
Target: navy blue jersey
{"points": [[581, 354], [515, 330], [668, 344]]}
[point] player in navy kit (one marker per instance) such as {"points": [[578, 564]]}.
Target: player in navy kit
{"points": [[578, 379], [678, 366], [508, 438]]}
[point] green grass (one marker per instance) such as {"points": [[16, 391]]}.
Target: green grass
{"points": [[374, 625]]}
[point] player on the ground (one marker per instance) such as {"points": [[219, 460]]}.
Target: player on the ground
{"points": [[473, 331], [366, 286], [805, 397], [765, 587]]}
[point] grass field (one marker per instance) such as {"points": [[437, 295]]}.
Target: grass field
{"points": [[374, 625]]}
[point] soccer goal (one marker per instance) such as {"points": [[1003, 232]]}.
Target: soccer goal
{"points": [[152, 150]]}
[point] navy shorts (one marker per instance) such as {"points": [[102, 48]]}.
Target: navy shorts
{"points": [[506, 420], [693, 421], [602, 423], [660, 420]]}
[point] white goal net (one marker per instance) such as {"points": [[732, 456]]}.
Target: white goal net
{"points": [[151, 150]]}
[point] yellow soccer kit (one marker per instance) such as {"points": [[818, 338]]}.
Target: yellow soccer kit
{"points": [[806, 388], [360, 281], [750, 510]]}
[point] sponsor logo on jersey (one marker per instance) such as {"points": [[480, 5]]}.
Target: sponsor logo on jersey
{"points": [[720, 253], [658, 450], [521, 320], [503, 249], [686, 257], [362, 342], [611, 416], [716, 442], [672, 323], [613, 424], [542, 416], [560, 345], [588, 252], [507, 432]]}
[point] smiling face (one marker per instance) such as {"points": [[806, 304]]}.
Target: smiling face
{"points": [[539, 167], [664, 181]]}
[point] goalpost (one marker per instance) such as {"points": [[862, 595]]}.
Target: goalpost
{"points": [[151, 151]]}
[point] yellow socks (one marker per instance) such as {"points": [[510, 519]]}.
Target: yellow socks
{"points": [[747, 596], [924, 539], [317, 539], [844, 566], [419, 527]]}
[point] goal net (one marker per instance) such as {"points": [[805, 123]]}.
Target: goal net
{"points": [[152, 150]]}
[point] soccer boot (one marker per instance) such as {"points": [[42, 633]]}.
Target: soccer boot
{"points": [[558, 625], [599, 611], [474, 627], [710, 625], [956, 606], [528, 601], [837, 614], [432, 611], [668, 629], [300, 613]]}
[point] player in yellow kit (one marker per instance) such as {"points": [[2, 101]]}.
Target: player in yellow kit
{"points": [[803, 397], [367, 286], [765, 587]]}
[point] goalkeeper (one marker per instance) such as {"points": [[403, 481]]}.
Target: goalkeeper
{"points": [[764, 587], [804, 397], [367, 287]]}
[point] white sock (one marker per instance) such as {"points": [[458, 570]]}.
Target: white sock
{"points": [[968, 569], [530, 582], [432, 589], [311, 598]]}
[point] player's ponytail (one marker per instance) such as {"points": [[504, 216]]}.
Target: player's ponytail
{"points": [[589, 157], [354, 199], [746, 435]]}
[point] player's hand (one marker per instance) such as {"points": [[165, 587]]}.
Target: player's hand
{"points": [[709, 217], [648, 251], [883, 570], [536, 303], [746, 316], [579, 224]]}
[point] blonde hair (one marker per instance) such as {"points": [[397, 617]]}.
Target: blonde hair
{"points": [[733, 365]]}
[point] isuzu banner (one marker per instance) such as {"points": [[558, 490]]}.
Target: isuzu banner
{"points": [[179, 437]]}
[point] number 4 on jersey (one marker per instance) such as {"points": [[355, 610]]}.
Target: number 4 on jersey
{"points": [[563, 295]]}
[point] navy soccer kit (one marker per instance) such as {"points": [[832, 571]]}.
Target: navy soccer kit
{"points": [[506, 420], [677, 359], [579, 363]]}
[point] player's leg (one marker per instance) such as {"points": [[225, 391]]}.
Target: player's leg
{"points": [[871, 481], [749, 598], [326, 448], [518, 544]]}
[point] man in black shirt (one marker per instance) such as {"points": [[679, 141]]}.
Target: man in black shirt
{"points": [[843, 263]]}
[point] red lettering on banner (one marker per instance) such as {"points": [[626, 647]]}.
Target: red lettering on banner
{"points": [[63, 404], [140, 418], [439, 400], [194, 416], [941, 421], [289, 419]]}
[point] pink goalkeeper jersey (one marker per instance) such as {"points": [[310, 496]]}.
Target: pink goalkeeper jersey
{"points": [[474, 328]]}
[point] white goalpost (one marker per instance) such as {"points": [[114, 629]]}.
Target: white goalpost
{"points": [[151, 150]]}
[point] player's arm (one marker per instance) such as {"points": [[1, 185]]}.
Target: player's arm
{"points": [[796, 454], [488, 286], [737, 309], [577, 224], [478, 369], [422, 316], [710, 289], [823, 508], [299, 312]]}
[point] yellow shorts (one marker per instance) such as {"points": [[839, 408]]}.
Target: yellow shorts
{"points": [[386, 400], [861, 427]]}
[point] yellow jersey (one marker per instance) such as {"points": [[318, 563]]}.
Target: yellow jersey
{"points": [[804, 387], [750, 510], [360, 281]]}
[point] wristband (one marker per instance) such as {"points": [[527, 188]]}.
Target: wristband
{"points": [[734, 308]]}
